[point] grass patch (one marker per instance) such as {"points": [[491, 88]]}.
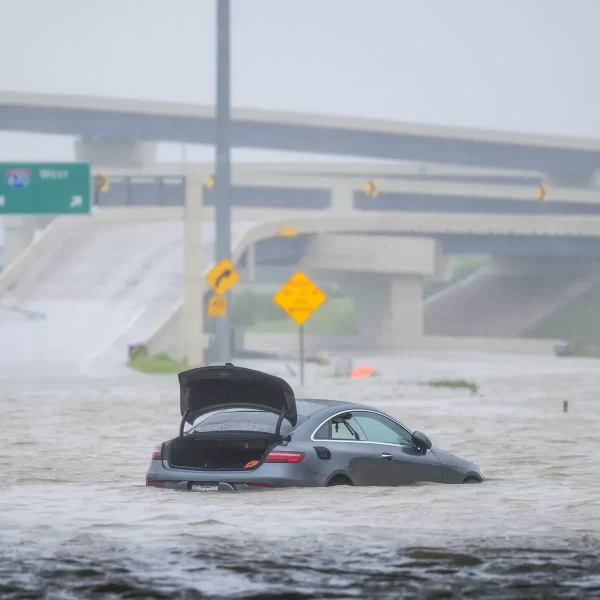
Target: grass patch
{"points": [[159, 364], [336, 317], [455, 383]]}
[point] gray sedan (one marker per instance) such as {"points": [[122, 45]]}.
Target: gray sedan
{"points": [[248, 431]]}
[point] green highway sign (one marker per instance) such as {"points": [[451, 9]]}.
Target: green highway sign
{"points": [[45, 188]]}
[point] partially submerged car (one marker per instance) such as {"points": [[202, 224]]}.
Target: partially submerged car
{"points": [[247, 431]]}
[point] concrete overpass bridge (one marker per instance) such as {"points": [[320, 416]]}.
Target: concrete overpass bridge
{"points": [[391, 250], [113, 131], [283, 187], [280, 187], [121, 273]]}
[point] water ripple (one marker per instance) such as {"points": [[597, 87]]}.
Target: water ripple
{"points": [[77, 521]]}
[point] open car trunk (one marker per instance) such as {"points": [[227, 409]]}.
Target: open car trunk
{"points": [[207, 389], [219, 389], [212, 452]]}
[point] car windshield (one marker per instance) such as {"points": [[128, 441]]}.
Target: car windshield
{"points": [[242, 420]]}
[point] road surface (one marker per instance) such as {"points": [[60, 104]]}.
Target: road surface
{"points": [[100, 287]]}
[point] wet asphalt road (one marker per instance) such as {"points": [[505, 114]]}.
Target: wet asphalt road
{"points": [[99, 287]]}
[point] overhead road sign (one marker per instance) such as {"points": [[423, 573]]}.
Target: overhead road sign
{"points": [[45, 188]]}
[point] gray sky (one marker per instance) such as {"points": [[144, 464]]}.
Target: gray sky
{"points": [[528, 65]]}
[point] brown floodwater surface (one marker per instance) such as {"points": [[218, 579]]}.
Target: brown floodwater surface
{"points": [[77, 521]]}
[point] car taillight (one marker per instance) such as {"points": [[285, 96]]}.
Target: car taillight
{"points": [[279, 456], [155, 482], [157, 454], [259, 485]]}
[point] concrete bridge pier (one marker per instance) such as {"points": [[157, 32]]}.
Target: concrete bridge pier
{"points": [[123, 153], [18, 232], [384, 275], [389, 309]]}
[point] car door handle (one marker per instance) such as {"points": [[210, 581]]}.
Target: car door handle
{"points": [[386, 456]]}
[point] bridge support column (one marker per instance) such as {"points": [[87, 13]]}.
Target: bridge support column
{"points": [[251, 263], [194, 282], [389, 309], [115, 153], [384, 276], [342, 198], [19, 232]]}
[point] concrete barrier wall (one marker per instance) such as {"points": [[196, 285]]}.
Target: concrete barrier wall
{"points": [[168, 338], [485, 344], [316, 344]]}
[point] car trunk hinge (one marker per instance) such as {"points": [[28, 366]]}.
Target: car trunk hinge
{"points": [[279, 422], [182, 424]]}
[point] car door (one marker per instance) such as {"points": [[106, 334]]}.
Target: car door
{"points": [[400, 461], [350, 450]]}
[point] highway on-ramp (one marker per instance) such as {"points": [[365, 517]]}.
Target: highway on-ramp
{"points": [[98, 287]]}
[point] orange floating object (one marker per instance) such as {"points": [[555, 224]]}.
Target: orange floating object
{"points": [[362, 372]]}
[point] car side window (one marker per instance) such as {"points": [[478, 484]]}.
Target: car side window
{"points": [[341, 429], [380, 429], [323, 431]]}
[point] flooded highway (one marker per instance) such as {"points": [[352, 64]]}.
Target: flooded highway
{"points": [[76, 520]]}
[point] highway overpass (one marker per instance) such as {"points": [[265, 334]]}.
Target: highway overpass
{"points": [[280, 188], [466, 218], [274, 186], [123, 123], [90, 286], [116, 277], [517, 234]]}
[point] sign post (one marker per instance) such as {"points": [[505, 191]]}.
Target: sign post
{"points": [[222, 176], [222, 278], [300, 298], [302, 355], [45, 188]]}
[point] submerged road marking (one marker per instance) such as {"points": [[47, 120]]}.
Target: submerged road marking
{"points": [[86, 361]]}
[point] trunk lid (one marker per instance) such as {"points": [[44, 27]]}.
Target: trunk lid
{"points": [[206, 389]]}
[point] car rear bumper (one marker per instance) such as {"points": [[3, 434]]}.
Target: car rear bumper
{"points": [[264, 477], [213, 486]]}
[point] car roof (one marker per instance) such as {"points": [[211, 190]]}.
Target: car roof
{"points": [[310, 406], [307, 407]]}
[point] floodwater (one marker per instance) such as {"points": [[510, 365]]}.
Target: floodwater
{"points": [[76, 520]]}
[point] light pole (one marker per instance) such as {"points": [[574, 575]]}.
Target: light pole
{"points": [[223, 166]]}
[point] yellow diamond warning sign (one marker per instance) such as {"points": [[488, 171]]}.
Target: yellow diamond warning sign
{"points": [[300, 297], [222, 277]]}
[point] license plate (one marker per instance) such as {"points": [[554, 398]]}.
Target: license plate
{"points": [[204, 487]]}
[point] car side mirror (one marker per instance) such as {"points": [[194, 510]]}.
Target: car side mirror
{"points": [[421, 441]]}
